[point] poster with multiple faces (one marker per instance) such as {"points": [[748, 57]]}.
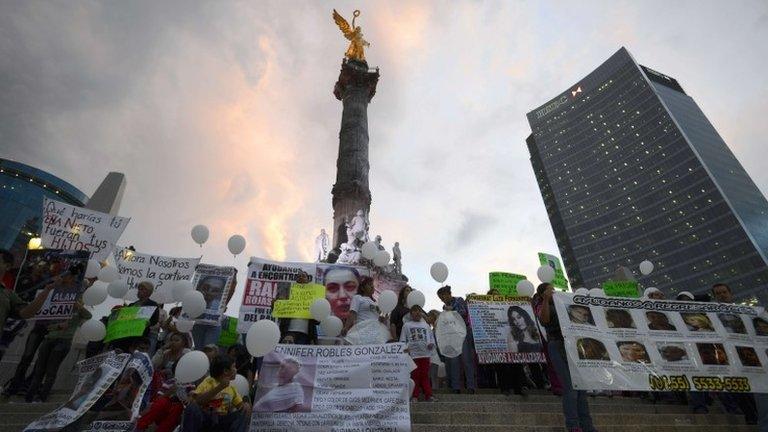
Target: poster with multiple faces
{"points": [[659, 345]]}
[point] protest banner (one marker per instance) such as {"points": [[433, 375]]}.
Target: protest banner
{"points": [[621, 289], [229, 335], [215, 283], [266, 282], [450, 332], [128, 321], [368, 332], [504, 330], [341, 283], [162, 271], [504, 283], [64, 269], [300, 298], [311, 388], [550, 260], [658, 345], [94, 376], [70, 227], [124, 400]]}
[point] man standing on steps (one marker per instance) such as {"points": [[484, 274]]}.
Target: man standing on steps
{"points": [[467, 357]]}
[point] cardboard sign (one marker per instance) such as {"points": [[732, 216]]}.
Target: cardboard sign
{"points": [[505, 283], [129, 321], [621, 289], [300, 299]]}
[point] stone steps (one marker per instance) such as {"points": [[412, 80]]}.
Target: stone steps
{"points": [[512, 418], [516, 406], [617, 428]]}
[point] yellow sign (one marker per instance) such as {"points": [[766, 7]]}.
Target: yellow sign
{"points": [[301, 298]]}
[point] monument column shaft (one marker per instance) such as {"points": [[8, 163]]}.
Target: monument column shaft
{"points": [[355, 88]]}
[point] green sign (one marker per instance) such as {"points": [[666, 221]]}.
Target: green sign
{"points": [[229, 335], [299, 301], [621, 289], [505, 283], [550, 260], [128, 321]]}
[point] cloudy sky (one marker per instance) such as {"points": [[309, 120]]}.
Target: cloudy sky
{"points": [[222, 113]]}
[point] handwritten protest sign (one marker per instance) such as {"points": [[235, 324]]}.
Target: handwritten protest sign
{"points": [[70, 227], [229, 334], [64, 269], [621, 289], [299, 301], [550, 260], [505, 283], [135, 267], [128, 321]]}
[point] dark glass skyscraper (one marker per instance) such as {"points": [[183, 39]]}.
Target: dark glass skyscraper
{"points": [[631, 169]]}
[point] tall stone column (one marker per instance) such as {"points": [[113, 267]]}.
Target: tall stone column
{"points": [[355, 89]]}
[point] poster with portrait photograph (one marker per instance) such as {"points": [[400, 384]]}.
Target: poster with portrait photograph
{"points": [[659, 345], [62, 268], [341, 283], [215, 283], [266, 282], [94, 376], [505, 330], [315, 387]]}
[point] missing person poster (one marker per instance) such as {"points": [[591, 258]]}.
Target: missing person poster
{"points": [[504, 283], [659, 345], [267, 282], [70, 227], [341, 284], [505, 330], [62, 268], [128, 321], [95, 376], [162, 271], [312, 387], [215, 283], [559, 281]]}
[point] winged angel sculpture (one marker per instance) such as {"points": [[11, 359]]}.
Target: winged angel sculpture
{"points": [[354, 35]]}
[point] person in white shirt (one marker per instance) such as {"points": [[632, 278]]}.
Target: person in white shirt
{"points": [[363, 306], [418, 335]]}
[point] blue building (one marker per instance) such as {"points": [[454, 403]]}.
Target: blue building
{"points": [[22, 189], [630, 168]]}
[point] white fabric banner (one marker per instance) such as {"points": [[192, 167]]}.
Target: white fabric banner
{"points": [[70, 227], [350, 388], [95, 376], [162, 271], [214, 283], [504, 330], [450, 332], [634, 344]]}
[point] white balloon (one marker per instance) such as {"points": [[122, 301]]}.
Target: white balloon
{"points": [[369, 250], [241, 385], [236, 244], [95, 294], [262, 337], [193, 304], [93, 330], [192, 366], [200, 234], [320, 309], [525, 288], [545, 274], [180, 288], [416, 297], [108, 274], [184, 326], [331, 326], [387, 301], [439, 272], [646, 267], [597, 292], [117, 288], [92, 270], [381, 259], [581, 291]]}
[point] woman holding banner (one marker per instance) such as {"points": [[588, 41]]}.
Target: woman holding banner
{"points": [[575, 405]]}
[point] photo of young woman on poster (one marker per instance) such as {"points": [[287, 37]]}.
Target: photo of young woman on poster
{"points": [[523, 335], [591, 349], [580, 315], [619, 318], [697, 322]]}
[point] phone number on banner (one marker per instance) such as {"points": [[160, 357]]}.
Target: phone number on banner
{"points": [[700, 383]]}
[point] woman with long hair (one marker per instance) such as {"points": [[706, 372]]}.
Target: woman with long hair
{"points": [[399, 313], [523, 335], [363, 305]]}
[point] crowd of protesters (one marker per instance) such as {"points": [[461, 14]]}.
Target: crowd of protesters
{"points": [[213, 403]]}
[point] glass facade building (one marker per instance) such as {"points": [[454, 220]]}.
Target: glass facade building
{"points": [[22, 189], [631, 169]]}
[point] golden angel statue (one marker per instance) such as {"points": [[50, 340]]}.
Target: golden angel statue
{"points": [[354, 34]]}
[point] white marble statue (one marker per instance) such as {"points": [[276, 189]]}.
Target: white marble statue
{"points": [[378, 243], [322, 244], [397, 258], [349, 255], [359, 229]]}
